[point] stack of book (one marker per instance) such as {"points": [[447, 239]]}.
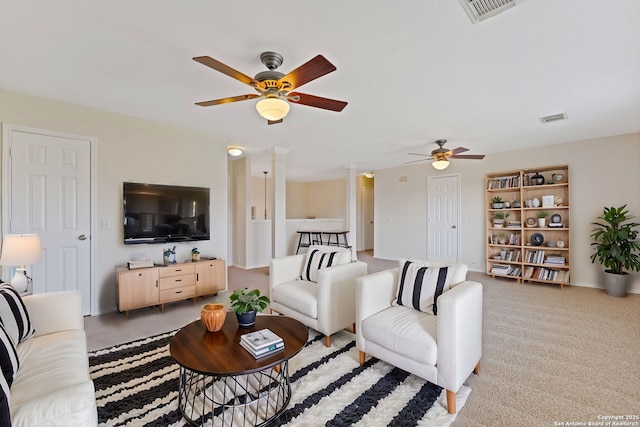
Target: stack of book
{"points": [[261, 343]]}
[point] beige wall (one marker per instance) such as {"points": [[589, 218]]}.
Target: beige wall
{"points": [[322, 199], [172, 155], [602, 172]]}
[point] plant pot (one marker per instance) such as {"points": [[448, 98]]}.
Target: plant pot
{"points": [[616, 284], [194, 257], [497, 205], [246, 320], [213, 316], [542, 222]]}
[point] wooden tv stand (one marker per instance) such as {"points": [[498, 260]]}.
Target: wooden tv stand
{"points": [[145, 287]]}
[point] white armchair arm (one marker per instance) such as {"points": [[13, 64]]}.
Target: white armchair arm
{"points": [[459, 333], [285, 269], [55, 311], [374, 293], [337, 295]]}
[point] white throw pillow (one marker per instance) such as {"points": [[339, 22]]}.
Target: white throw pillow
{"points": [[420, 285], [319, 257]]}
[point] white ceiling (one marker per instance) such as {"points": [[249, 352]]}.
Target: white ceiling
{"points": [[412, 71]]}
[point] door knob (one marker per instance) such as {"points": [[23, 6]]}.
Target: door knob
{"points": [[453, 226], [82, 237]]}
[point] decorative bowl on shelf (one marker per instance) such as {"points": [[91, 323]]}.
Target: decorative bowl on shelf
{"points": [[537, 239], [531, 222]]}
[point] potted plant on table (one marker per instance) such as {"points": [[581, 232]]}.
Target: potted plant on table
{"points": [[616, 247], [195, 253], [247, 304]]}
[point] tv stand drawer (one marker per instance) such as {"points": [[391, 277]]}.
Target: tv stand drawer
{"points": [[177, 293]]}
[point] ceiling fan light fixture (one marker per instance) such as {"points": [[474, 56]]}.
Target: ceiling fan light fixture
{"points": [[440, 164], [234, 151], [273, 108]]}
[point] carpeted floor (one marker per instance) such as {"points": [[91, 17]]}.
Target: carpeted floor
{"points": [[549, 355]]}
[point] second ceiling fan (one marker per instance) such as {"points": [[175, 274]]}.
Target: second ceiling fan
{"points": [[441, 155], [275, 87]]}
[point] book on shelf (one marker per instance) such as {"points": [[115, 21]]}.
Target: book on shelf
{"points": [[258, 340], [266, 351], [503, 182]]}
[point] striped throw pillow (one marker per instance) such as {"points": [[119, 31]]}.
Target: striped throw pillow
{"points": [[5, 412], [419, 285], [13, 314], [317, 260], [9, 362]]}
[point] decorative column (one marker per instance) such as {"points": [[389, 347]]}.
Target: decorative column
{"points": [[351, 203], [279, 210]]}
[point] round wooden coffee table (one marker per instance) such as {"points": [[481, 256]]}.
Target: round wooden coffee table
{"points": [[220, 380]]}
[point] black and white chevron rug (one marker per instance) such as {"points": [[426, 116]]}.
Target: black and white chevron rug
{"points": [[136, 385]]}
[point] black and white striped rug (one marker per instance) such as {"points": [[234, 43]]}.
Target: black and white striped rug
{"points": [[136, 385]]}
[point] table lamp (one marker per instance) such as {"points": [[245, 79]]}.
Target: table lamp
{"points": [[21, 250]]}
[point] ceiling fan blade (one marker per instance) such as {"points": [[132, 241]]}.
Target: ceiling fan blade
{"points": [[274, 122], [416, 161], [317, 101], [310, 70], [469, 156], [227, 100], [419, 154], [225, 69], [458, 151]]}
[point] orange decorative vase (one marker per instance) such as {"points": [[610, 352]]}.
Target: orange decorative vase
{"points": [[212, 316]]}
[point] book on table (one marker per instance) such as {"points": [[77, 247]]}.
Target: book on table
{"points": [[261, 339], [274, 348]]}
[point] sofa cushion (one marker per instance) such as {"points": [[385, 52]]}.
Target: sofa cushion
{"points": [[9, 361], [298, 295], [419, 285], [13, 314], [404, 331], [49, 363], [319, 257]]}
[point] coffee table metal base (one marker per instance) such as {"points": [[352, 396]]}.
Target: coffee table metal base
{"points": [[253, 399]]}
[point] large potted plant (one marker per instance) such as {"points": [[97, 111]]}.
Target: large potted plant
{"points": [[247, 304], [617, 248]]}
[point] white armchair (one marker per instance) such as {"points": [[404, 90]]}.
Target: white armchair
{"points": [[442, 349], [327, 305]]}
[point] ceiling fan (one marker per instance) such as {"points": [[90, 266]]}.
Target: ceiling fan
{"points": [[441, 155], [275, 87]]}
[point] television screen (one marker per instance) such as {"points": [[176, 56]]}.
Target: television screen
{"points": [[156, 213]]}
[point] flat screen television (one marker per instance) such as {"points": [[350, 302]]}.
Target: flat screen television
{"points": [[156, 213]]}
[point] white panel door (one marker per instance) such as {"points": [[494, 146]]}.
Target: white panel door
{"points": [[443, 215], [367, 213], [50, 195]]}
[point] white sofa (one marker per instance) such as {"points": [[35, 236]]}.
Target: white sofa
{"points": [[52, 386], [327, 305], [442, 349]]}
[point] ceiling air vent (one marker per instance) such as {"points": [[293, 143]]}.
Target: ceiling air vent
{"points": [[479, 10], [553, 118]]}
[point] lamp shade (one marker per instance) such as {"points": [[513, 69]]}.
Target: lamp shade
{"points": [[440, 164], [273, 108], [21, 249]]}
